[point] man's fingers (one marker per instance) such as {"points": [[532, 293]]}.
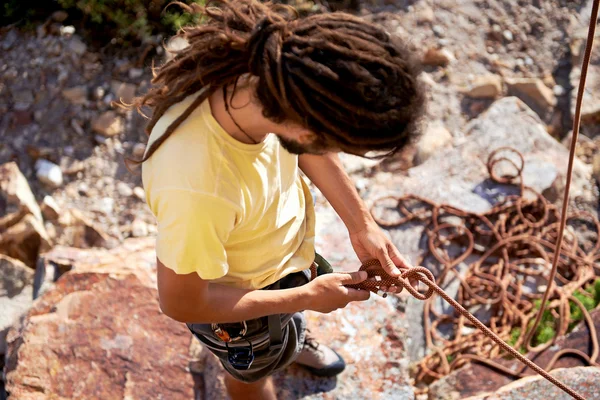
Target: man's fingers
{"points": [[397, 258], [358, 295], [387, 264], [352, 278]]}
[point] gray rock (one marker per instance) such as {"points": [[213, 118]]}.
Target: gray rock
{"points": [[16, 294], [77, 46]]}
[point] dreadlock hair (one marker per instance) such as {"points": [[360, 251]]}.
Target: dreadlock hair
{"points": [[346, 80]]}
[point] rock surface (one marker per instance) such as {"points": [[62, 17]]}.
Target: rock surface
{"points": [[475, 379], [582, 379], [99, 335]]}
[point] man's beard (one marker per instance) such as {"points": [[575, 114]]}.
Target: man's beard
{"points": [[294, 147]]}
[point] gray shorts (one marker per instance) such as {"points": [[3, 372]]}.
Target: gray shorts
{"points": [[267, 360]]}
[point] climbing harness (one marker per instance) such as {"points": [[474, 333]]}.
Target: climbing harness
{"points": [[381, 279]]}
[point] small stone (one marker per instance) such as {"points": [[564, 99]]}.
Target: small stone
{"points": [[106, 205], [135, 73], [76, 125], [50, 209], [100, 139], [139, 228], [438, 30], [108, 124], [67, 30], [124, 189], [558, 90], [59, 16], [83, 189], [437, 57], [48, 173], [99, 93], [76, 95], [139, 193], [508, 36], [77, 46], [486, 87], [532, 89], [123, 91], [435, 137], [138, 150], [425, 15]]}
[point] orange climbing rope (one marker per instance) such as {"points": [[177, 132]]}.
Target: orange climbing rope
{"points": [[422, 274]]}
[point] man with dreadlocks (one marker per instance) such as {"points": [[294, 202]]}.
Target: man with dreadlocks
{"points": [[258, 94]]}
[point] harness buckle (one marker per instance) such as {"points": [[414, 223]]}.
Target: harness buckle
{"points": [[240, 358]]}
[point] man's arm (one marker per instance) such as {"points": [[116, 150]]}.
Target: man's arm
{"points": [[327, 173], [188, 298]]}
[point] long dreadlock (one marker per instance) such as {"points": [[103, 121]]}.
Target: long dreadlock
{"points": [[344, 79]]}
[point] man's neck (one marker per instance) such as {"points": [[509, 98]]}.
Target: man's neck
{"points": [[244, 121]]}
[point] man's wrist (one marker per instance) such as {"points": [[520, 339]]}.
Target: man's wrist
{"points": [[359, 222]]}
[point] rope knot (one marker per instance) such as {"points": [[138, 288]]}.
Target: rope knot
{"points": [[382, 279]]}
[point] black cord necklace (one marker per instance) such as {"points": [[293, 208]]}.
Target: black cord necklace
{"points": [[231, 116]]}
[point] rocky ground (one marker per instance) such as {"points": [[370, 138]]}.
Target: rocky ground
{"points": [[63, 180]]}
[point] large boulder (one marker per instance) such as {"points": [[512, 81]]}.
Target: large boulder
{"points": [[94, 336], [99, 335]]}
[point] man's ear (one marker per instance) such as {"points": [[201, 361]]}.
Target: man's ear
{"points": [[305, 136]]}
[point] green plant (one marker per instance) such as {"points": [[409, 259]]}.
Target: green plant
{"points": [[131, 20]]}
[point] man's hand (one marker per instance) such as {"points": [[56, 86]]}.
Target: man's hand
{"points": [[371, 243], [327, 292]]}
